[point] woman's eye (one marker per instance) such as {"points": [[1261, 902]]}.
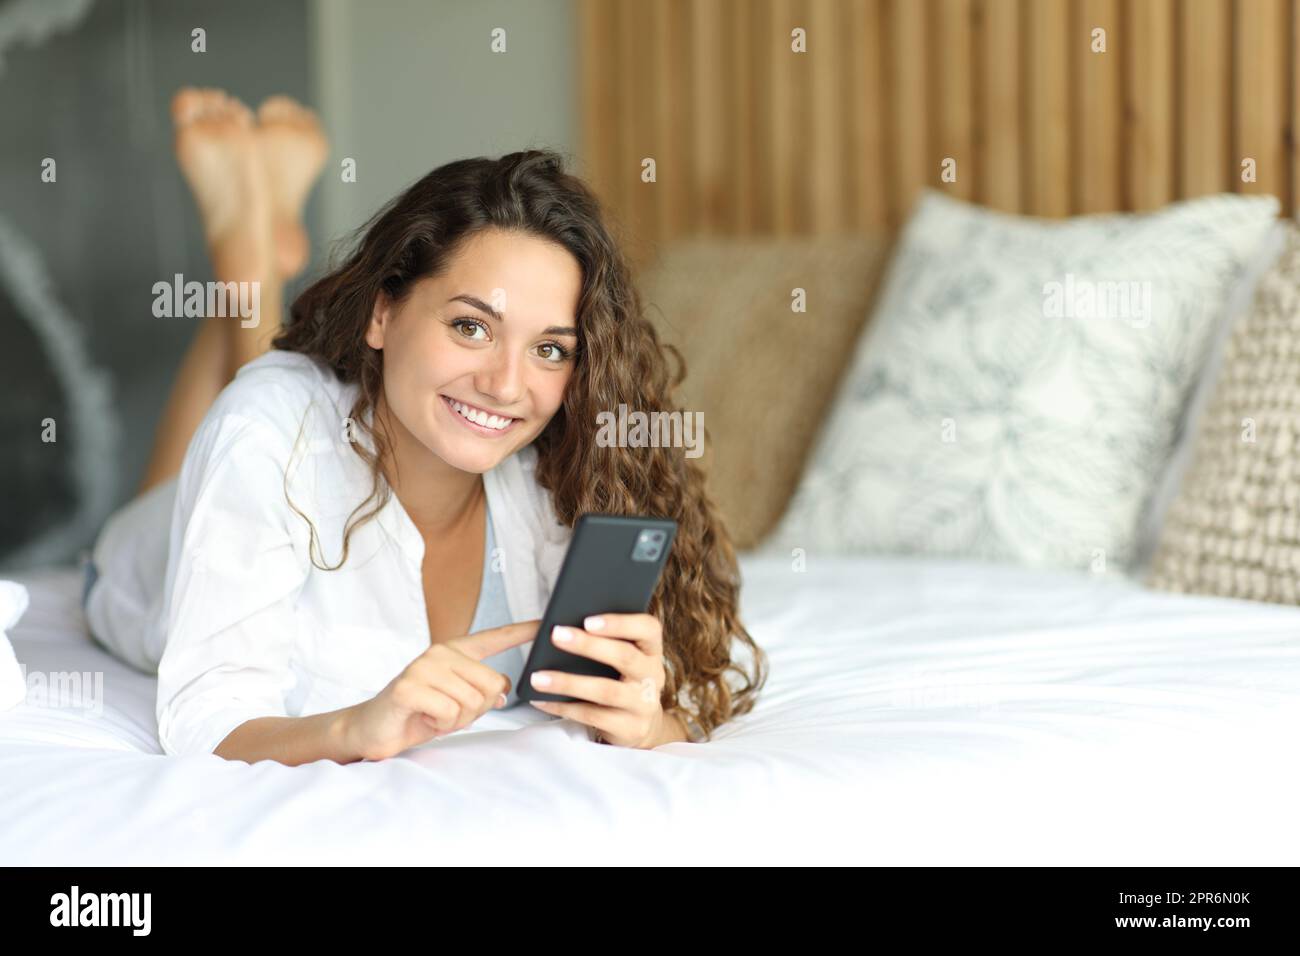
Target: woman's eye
{"points": [[557, 353], [554, 352], [473, 323]]}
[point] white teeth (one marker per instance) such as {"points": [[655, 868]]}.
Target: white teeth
{"points": [[480, 418]]}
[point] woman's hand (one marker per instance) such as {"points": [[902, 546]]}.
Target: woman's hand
{"points": [[444, 690], [625, 711]]}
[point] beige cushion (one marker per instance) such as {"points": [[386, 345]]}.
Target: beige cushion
{"points": [[763, 375], [1234, 528]]}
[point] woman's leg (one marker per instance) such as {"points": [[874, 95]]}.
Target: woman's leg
{"points": [[200, 378], [250, 181]]}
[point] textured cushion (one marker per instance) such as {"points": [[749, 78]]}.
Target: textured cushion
{"points": [[990, 411], [762, 374], [1240, 300], [1234, 528]]}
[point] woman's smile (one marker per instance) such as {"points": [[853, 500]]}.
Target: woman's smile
{"points": [[479, 420]]}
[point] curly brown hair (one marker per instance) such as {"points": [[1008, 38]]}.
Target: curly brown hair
{"points": [[619, 359]]}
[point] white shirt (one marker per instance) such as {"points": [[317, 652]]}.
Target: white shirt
{"points": [[250, 627]]}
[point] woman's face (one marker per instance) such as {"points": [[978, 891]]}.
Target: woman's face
{"points": [[493, 336]]}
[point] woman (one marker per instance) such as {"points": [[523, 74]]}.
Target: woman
{"points": [[364, 510]]}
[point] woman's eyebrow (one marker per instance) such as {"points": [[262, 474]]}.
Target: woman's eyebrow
{"points": [[478, 303]]}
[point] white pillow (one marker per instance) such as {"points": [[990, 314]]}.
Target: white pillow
{"points": [[989, 412], [13, 604]]}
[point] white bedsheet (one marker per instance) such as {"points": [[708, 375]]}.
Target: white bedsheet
{"points": [[918, 712]]}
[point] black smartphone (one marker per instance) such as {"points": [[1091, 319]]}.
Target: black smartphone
{"points": [[612, 565]]}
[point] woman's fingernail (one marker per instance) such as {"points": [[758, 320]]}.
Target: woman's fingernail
{"points": [[501, 700], [541, 680], [594, 623], [561, 634]]}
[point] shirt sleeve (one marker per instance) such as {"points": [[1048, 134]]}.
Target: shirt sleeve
{"points": [[236, 566]]}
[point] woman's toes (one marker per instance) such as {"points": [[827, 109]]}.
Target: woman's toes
{"points": [[278, 107], [241, 110], [293, 149], [206, 106], [211, 103], [282, 110], [216, 147], [187, 103]]}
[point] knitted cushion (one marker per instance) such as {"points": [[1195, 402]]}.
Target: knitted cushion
{"points": [[1234, 528]]}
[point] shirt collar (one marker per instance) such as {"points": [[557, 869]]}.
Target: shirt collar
{"points": [[510, 492], [393, 517]]}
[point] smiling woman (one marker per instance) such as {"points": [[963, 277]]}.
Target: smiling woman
{"points": [[467, 348], [491, 290]]}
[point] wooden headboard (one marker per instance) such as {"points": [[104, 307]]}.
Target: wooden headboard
{"points": [[751, 138]]}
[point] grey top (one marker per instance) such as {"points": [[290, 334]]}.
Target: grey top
{"points": [[493, 611]]}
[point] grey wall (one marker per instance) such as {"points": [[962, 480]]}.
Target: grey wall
{"points": [[407, 85], [119, 218]]}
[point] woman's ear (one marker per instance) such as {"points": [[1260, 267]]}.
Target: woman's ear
{"points": [[379, 317]]}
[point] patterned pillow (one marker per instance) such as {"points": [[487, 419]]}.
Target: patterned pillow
{"points": [[1234, 528], [1017, 393]]}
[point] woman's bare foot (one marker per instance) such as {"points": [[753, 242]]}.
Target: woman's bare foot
{"points": [[293, 149], [217, 147]]}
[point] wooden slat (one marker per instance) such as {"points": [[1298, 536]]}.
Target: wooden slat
{"points": [[953, 133], [998, 116], [826, 107], [1203, 85], [729, 89], [865, 75], [1047, 109], [637, 117], [1292, 209], [1259, 113], [1149, 68], [779, 143], [741, 108], [753, 138], [673, 106], [1100, 107], [619, 127], [908, 81], [595, 66], [799, 122], [762, 39], [709, 155]]}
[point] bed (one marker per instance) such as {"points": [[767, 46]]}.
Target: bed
{"points": [[919, 711]]}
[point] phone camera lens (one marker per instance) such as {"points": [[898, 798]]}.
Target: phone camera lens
{"points": [[649, 545]]}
